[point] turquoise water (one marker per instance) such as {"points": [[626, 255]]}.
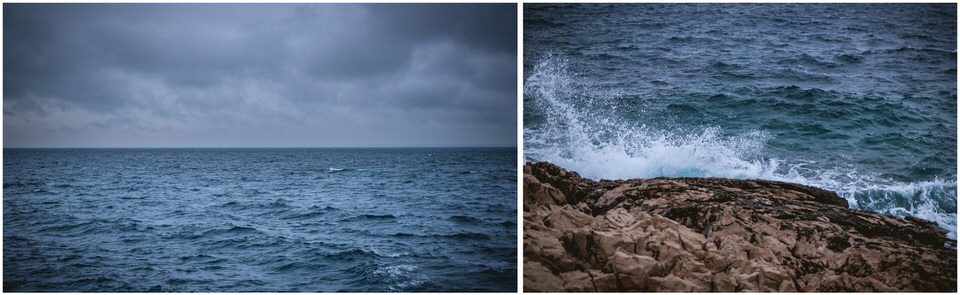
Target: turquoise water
{"points": [[860, 99]]}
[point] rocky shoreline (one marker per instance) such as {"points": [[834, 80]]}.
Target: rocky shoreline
{"points": [[711, 234]]}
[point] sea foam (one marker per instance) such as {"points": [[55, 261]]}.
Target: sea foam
{"points": [[581, 132]]}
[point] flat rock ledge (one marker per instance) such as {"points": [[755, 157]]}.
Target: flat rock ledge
{"points": [[712, 234]]}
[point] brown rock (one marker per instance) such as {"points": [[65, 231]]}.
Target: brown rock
{"points": [[710, 234]]}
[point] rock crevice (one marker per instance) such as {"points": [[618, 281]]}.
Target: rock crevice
{"points": [[712, 234]]}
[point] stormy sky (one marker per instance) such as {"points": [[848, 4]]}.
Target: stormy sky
{"points": [[256, 75]]}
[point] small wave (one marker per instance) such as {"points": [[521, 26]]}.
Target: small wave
{"points": [[372, 217], [385, 254], [378, 216], [795, 74], [22, 184], [305, 216], [96, 281], [607, 56], [287, 267], [76, 228], [456, 236], [70, 257], [299, 266], [275, 204], [464, 219], [849, 58], [324, 208], [235, 230], [469, 236], [725, 66], [926, 50], [807, 60], [278, 203], [181, 281], [201, 258], [536, 21], [692, 39], [231, 204], [352, 254], [247, 283], [682, 107]]}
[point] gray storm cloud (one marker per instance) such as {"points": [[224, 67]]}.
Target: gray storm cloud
{"points": [[94, 75]]}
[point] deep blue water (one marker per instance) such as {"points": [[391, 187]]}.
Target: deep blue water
{"points": [[856, 98], [259, 219]]}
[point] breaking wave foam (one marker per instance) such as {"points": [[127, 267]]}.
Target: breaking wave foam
{"points": [[581, 132]]}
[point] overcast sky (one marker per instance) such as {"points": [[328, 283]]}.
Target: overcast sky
{"points": [[214, 75]]}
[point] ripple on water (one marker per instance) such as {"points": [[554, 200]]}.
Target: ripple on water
{"points": [[235, 220]]}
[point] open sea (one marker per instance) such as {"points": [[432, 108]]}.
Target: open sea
{"points": [[860, 99], [417, 219]]}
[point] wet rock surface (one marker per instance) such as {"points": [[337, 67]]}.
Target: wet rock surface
{"points": [[711, 234]]}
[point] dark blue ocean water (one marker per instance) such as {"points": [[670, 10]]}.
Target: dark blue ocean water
{"points": [[856, 98], [259, 219]]}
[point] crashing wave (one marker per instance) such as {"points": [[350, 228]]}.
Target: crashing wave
{"points": [[579, 133]]}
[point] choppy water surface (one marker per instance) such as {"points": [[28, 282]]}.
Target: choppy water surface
{"points": [[856, 98], [259, 219]]}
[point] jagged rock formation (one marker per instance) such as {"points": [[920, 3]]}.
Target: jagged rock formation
{"points": [[710, 234]]}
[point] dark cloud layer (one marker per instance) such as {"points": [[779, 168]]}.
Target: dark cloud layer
{"points": [[259, 75]]}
